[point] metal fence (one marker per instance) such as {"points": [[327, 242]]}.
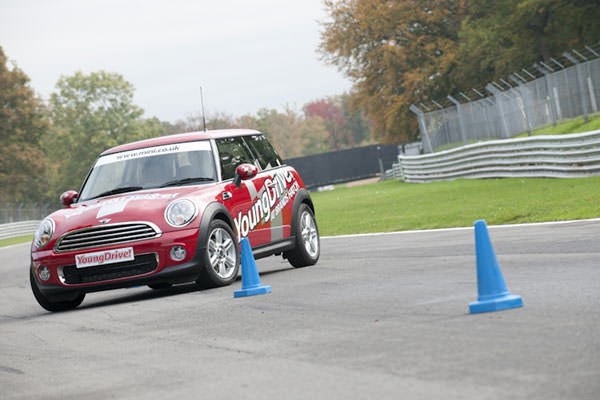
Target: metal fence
{"points": [[16, 229], [345, 165], [23, 212], [566, 87], [555, 156]]}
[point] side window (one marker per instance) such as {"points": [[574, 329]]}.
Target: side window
{"points": [[265, 153], [232, 152]]}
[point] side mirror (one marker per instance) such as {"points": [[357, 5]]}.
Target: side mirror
{"points": [[244, 172], [69, 197]]}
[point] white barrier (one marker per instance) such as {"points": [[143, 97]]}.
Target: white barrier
{"points": [[15, 229], [558, 156]]}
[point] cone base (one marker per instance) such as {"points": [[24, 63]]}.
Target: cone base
{"points": [[254, 291], [500, 303]]}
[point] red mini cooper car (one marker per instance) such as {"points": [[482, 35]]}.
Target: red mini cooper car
{"points": [[171, 210]]}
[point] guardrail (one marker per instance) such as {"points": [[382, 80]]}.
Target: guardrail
{"points": [[15, 229], [557, 156]]}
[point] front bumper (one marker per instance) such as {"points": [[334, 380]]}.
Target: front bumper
{"points": [[64, 276]]}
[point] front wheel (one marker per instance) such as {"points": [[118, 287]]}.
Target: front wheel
{"points": [[55, 303], [221, 259], [307, 249]]}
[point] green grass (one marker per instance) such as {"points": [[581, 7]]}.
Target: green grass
{"points": [[15, 240], [394, 206], [574, 125]]}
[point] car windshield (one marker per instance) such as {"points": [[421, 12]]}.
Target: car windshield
{"points": [[152, 167]]}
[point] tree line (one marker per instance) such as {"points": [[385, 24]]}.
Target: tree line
{"points": [[48, 147], [405, 52]]}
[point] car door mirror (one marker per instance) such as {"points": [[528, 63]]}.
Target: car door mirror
{"points": [[244, 172], [69, 197]]}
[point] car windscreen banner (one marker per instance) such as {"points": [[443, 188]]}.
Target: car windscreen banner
{"points": [[153, 151]]}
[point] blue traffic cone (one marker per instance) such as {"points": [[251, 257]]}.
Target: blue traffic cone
{"points": [[493, 295], [251, 285]]}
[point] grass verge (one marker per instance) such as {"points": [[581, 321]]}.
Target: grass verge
{"points": [[573, 125], [15, 240], [394, 206]]}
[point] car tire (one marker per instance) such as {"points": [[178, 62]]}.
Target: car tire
{"points": [[54, 304], [221, 259], [307, 247]]}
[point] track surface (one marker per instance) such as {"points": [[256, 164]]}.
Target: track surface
{"points": [[380, 317]]}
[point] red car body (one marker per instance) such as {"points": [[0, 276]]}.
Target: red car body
{"points": [[173, 231]]}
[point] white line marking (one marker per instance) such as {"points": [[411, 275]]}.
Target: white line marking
{"points": [[462, 228]]}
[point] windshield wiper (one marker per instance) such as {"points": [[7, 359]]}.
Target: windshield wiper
{"points": [[187, 180], [118, 190]]}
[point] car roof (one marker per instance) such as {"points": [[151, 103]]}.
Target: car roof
{"points": [[180, 138]]}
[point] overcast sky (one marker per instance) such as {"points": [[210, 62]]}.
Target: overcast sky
{"points": [[245, 54]]}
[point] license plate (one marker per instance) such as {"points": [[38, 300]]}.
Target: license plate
{"points": [[104, 257]]}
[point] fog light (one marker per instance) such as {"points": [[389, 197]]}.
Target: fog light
{"points": [[178, 253], [44, 273]]}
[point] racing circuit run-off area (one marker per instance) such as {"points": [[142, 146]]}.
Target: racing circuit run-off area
{"points": [[379, 317]]}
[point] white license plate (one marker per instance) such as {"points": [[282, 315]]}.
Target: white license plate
{"points": [[104, 257]]}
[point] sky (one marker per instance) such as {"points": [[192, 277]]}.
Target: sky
{"points": [[246, 55]]}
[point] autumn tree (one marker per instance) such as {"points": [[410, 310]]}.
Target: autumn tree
{"points": [[406, 52], [332, 116], [396, 52], [23, 165], [291, 133], [345, 124], [281, 129], [196, 121], [313, 131], [496, 41], [355, 122], [90, 113]]}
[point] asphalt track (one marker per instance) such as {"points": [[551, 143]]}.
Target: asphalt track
{"points": [[380, 317]]}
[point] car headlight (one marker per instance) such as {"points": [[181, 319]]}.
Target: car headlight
{"points": [[44, 233], [180, 212]]}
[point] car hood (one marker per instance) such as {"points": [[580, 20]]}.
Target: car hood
{"points": [[144, 205]]}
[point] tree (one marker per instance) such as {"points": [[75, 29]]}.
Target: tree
{"points": [[283, 129], [397, 53], [195, 122], [291, 134], [314, 137], [346, 125], [90, 114], [496, 41], [355, 123], [332, 116], [23, 121]]}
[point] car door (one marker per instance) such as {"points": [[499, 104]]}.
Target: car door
{"points": [[276, 189], [243, 202]]}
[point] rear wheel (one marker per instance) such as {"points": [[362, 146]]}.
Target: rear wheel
{"points": [[221, 259], [55, 303], [308, 248]]}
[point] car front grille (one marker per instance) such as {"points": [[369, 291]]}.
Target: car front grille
{"points": [[107, 235], [142, 264]]}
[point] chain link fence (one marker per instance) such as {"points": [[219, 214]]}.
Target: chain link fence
{"points": [[23, 212], [542, 95]]}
